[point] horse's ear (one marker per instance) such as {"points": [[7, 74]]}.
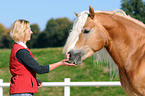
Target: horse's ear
{"points": [[76, 14], [91, 11]]}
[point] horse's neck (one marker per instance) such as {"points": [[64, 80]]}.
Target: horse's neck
{"points": [[124, 36]]}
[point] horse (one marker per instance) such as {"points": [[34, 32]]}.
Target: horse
{"points": [[121, 35]]}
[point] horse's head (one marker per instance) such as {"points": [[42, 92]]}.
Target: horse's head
{"points": [[86, 37]]}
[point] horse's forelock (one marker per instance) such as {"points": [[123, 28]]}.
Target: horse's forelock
{"points": [[76, 30]]}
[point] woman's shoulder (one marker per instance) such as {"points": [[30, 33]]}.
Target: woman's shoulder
{"points": [[23, 51]]}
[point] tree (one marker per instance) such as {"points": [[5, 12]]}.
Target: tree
{"points": [[50, 26], [43, 40], [61, 31], [5, 41], [55, 33], [2, 29], [134, 8]]}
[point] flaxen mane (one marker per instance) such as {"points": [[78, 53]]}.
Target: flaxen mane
{"points": [[76, 30], [121, 13]]}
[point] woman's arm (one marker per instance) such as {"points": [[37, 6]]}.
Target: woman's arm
{"points": [[27, 60]]}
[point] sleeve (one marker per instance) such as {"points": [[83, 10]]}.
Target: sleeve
{"points": [[27, 60]]}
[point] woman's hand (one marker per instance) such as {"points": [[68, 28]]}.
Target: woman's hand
{"points": [[39, 83], [65, 61], [61, 63]]}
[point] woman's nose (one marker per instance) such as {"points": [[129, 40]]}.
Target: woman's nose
{"points": [[31, 32]]}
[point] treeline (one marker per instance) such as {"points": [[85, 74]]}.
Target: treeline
{"points": [[54, 35], [134, 8], [57, 30]]}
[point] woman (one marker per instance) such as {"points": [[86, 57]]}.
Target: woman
{"points": [[23, 66]]}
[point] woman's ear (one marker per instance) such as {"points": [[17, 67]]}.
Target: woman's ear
{"points": [[91, 12]]}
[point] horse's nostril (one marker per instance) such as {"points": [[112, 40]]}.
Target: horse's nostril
{"points": [[69, 54]]}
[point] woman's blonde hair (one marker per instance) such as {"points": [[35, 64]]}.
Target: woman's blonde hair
{"points": [[18, 30]]}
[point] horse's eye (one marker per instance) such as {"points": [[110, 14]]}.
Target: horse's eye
{"points": [[86, 31]]}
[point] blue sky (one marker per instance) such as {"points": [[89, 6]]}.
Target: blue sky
{"points": [[40, 11]]}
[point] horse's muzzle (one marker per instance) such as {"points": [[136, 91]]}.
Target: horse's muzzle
{"points": [[75, 56]]}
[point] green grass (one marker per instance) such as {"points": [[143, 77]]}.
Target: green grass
{"points": [[87, 71]]}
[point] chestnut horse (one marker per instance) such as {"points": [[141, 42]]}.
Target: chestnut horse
{"points": [[122, 36]]}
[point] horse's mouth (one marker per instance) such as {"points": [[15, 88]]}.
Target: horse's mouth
{"points": [[75, 57]]}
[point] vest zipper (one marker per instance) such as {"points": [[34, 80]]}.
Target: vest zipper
{"points": [[32, 82]]}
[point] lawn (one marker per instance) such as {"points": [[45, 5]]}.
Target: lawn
{"points": [[87, 71]]}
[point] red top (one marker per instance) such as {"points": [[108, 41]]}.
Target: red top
{"points": [[23, 79]]}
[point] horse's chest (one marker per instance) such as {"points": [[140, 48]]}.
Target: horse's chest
{"points": [[128, 85]]}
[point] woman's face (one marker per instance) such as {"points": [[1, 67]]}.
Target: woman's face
{"points": [[28, 33]]}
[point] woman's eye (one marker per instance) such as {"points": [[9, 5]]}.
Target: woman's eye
{"points": [[86, 31]]}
